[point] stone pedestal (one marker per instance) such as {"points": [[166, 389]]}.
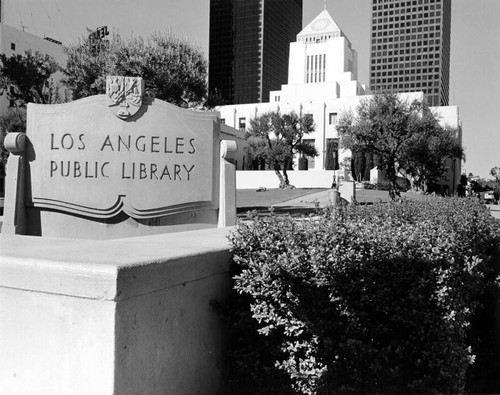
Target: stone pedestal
{"points": [[125, 316]]}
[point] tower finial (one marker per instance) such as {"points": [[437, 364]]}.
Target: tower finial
{"points": [[325, 4]]}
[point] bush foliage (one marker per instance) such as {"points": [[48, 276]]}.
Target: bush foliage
{"points": [[173, 70], [366, 298]]}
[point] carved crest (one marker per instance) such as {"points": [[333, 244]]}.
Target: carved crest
{"points": [[124, 95]]}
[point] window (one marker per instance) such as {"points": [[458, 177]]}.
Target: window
{"points": [[13, 46], [309, 116], [332, 118], [222, 121], [242, 124]]}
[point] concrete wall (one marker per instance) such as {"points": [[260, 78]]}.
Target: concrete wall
{"points": [[129, 316], [253, 179]]}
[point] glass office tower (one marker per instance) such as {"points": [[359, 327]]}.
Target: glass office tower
{"points": [[410, 47], [249, 47]]}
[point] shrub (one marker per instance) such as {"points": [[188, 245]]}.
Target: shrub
{"points": [[402, 183], [369, 298], [250, 358]]}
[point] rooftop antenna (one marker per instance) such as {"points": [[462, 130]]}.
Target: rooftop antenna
{"points": [[325, 4]]}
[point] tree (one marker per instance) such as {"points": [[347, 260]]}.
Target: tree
{"points": [[462, 186], [86, 68], [275, 138], [427, 150], [495, 172], [332, 155], [27, 78], [214, 99], [358, 165], [405, 137], [173, 70]]}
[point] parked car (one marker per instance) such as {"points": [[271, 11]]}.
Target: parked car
{"points": [[489, 197]]}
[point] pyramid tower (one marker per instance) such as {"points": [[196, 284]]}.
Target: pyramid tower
{"points": [[323, 54], [320, 29]]}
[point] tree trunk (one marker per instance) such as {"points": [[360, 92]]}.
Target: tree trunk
{"points": [[413, 185], [394, 193], [287, 181], [280, 177]]}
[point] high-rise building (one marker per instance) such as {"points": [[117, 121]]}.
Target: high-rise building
{"points": [[410, 47], [249, 47], [322, 84]]}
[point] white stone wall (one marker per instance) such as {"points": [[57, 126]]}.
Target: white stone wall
{"points": [[249, 179]]}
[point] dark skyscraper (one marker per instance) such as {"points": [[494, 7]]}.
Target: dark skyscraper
{"points": [[249, 47], [410, 47]]}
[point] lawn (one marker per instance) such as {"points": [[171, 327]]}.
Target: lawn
{"points": [[247, 199], [250, 198]]}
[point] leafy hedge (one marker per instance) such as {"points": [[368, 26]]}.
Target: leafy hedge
{"points": [[402, 183], [364, 298]]}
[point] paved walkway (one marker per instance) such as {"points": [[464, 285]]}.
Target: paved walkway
{"points": [[323, 198], [247, 199], [299, 201]]}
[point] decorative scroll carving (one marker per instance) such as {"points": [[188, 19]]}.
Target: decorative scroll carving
{"points": [[15, 142], [122, 204], [227, 148]]}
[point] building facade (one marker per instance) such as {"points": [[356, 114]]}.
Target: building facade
{"points": [[410, 47], [249, 47], [16, 42], [322, 84]]}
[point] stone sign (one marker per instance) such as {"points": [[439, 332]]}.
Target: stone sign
{"points": [[118, 154]]}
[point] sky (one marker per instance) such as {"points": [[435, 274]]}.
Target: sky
{"points": [[474, 62]]}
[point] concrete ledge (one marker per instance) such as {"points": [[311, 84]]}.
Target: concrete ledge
{"points": [[104, 269], [127, 316]]}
